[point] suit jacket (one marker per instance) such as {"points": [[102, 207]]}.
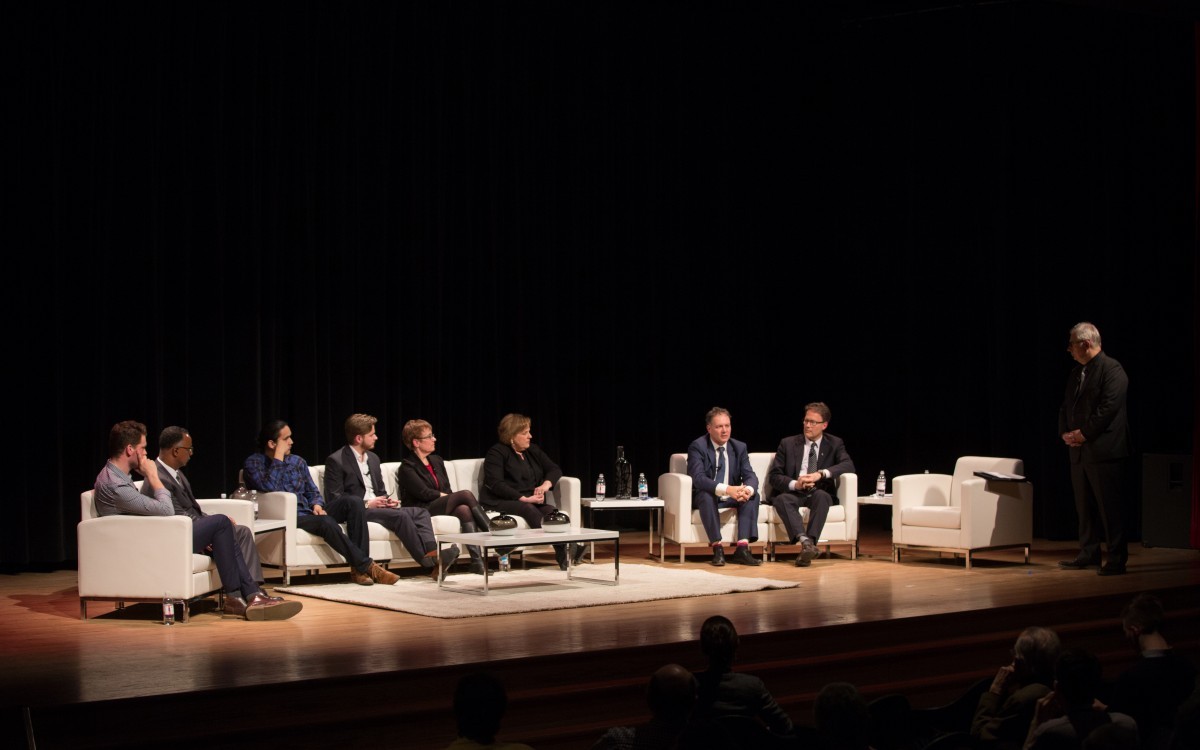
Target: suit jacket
{"points": [[789, 457], [184, 502], [1098, 412], [507, 477], [416, 483], [734, 693], [702, 465], [343, 478]]}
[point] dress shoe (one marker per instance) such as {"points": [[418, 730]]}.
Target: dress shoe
{"points": [[577, 555], [560, 556], [1079, 563], [380, 574], [742, 556], [235, 606], [1111, 570], [262, 607], [718, 557], [362, 579], [478, 567], [808, 551], [449, 555]]}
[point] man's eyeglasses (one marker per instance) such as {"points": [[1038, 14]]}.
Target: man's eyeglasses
{"points": [[428, 437], [187, 448], [813, 422]]}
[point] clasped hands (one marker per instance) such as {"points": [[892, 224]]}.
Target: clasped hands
{"points": [[741, 492], [383, 502], [539, 495], [808, 481], [1074, 438]]}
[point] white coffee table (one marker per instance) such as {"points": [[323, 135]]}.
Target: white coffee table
{"points": [[611, 503], [529, 537], [877, 500]]}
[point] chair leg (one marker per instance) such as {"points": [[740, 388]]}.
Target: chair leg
{"points": [[83, 609]]}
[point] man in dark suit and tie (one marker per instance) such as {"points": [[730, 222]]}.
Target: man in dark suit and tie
{"points": [[1095, 429], [353, 473], [174, 451], [804, 474], [722, 478]]}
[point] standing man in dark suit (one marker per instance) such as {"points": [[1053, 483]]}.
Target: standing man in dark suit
{"points": [[804, 474], [353, 473], [722, 478], [174, 452], [1095, 429]]}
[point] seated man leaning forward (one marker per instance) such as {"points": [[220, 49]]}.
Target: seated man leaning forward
{"points": [[804, 474], [722, 478], [353, 472], [116, 494], [276, 469]]}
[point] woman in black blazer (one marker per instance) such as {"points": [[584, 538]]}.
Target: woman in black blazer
{"points": [[423, 483], [516, 476]]}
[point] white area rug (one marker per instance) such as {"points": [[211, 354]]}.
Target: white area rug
{"points": [[536, 589]]}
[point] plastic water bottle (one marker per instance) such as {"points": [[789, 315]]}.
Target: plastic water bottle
{"points": [[600, 487], [643, 488], [168, 609], [503, 564], [881, 484], [254, 502]]}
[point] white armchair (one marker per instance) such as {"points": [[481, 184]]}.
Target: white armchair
{"points": [[963, 513], [681, 522], [144, 558]]}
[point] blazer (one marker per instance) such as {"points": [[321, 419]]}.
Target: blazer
{"points": [[344, 479], [416, 484], [789, 457], [702, 465], [1098, 412], [507, 477], [184, 502]]}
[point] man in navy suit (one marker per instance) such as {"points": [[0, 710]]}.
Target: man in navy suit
{"points": [[722, 478], [804, 474]]}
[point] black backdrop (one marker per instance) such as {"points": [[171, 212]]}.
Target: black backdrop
{"points": [[609, 217]]}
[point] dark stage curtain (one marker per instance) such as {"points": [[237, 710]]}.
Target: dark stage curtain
{"points": [[609, 217]]}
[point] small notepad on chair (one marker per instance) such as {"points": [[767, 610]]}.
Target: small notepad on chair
{"points": [[999, 476]]}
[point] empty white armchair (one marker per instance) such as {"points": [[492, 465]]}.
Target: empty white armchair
{"points": [[963, 513], [681, 521], [144, 558]]}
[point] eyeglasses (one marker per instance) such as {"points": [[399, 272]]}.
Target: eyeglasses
{"points": [[187, 448], [813, 422], [430, 436]]}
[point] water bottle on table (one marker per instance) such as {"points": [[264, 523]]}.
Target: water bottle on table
{"points": [[600, 487], [881, 484], [643, 488]]}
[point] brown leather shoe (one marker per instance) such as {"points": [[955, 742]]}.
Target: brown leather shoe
{"points": [[380, 574], [235, 606], [362, 579], [262, 607]]}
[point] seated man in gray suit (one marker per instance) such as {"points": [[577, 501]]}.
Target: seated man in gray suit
{"points": [[804, 474], [174, 452]]}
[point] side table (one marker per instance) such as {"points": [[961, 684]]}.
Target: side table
{"points": [[651, 504]]}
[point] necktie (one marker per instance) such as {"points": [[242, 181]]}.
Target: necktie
{"points": [[1079, 385], [812, 458], [720, 465]]}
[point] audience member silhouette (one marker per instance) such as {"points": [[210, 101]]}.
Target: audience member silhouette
{"points": [[1003, 713], [671, 696], [841, 717], [725, 693], [1154, 688], [480, 701], [1071, 712]]}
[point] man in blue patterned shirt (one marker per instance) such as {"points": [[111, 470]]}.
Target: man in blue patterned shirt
{"points": [[276, 469]]}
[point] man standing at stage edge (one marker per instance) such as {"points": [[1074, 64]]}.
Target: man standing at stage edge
{"points": [[1095, 429]]}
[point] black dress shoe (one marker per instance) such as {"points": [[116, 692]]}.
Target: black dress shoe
{"points": [[1078, 563], [808, 551], [577, 555], [742, 556], [560, 556], [1111, 570], [718, 557]]}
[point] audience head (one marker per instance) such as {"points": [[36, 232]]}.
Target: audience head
{"points": [[512, 425], [842, 718], [271, 433], [359, 425], [1111, 737], [1035, 653], [1142, 616], [1076, 678], [414, 430], [125, 439], [671, 693], [719, 640], [175, 447], [479, 704]]}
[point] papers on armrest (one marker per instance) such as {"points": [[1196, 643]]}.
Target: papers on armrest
{"points": [[999, 476]]}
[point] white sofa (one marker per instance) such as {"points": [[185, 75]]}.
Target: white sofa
{"points": [[682, 524], [297, 550], [144, 558]]}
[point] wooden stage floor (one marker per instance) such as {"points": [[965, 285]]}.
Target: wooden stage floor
{"points": [[53, 659]]}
